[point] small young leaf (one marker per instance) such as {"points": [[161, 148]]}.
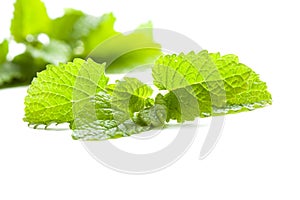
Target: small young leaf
{"points": [[129, 96]]}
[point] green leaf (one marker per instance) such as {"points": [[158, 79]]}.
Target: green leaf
{"points": [[30, 18], [23, 67], [123, 52], [208, 84], [77, 34], [54, 52], [182, 105], [107, 129], [155, 116], [129, 96], [110, 114], [178, 75], [97, 120], [53, 93], [8, 73], [28, 65], [62, 28], [93, 30], [4, 51], [200, 84]]}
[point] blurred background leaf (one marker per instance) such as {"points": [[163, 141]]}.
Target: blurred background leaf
{"points": [[73, 35]]}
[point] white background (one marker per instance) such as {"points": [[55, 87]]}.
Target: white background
{"points": [[258, 156]]}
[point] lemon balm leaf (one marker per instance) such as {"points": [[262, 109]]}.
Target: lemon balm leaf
{"points": [[100, 119], [97, 120], [178, 75], [110, 114], [50, 97], [130, 95], [219, 84]]}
